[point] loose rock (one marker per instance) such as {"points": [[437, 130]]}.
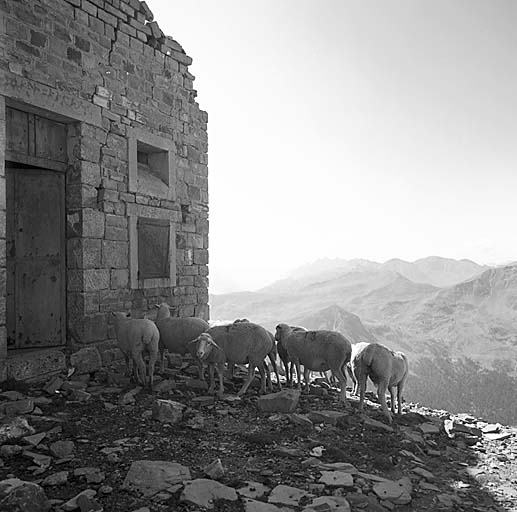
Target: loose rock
{"points": [[204, 492]]}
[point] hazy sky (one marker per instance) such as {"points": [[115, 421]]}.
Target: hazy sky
{"points": [[368, 129]]}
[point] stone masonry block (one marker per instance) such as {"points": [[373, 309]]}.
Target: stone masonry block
{"points": [[115, 254], [93, 223]]}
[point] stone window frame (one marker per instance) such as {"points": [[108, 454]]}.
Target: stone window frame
{"points": [[134, 212], [142, 140]]}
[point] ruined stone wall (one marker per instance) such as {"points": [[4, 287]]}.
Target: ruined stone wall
{"points": [[123, 88]]}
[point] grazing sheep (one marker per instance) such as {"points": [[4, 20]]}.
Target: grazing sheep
{"points": [[176, 333], [386, 369], [284, 357], [272, 358], [239, 343], [318, 351], [355, 348], [136, 337]]}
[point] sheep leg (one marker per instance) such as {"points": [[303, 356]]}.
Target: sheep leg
{"points": [[350, 372], [211, 378], [381, 395], [275, 369], [285, 363], [162, 360], [201, 372], [307, 377], [265, 378], [220, 373], [361, 379], [341, 377], [392, 398], [299, 373], [251, 374], [400, 387], [140, 368], [152, 361]]}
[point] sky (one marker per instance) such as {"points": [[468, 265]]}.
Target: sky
{"points": [[354, 129]]}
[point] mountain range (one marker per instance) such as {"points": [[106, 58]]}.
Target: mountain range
{"points": [[433, 304], [455, 320]]}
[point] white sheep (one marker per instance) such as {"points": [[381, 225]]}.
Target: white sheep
{"points": [[386, 369], [284, 357], [176, 333], [239, 343], [317, 351], [137, 337], [355, 348], [271, 356]]}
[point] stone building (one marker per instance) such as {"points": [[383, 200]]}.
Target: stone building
{"points": [[103, 179]]}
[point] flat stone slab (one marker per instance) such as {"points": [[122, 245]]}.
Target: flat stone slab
{"points": [[327, 417], [396, 492], [259, 506], [287, 495], [150, 477], [204, 492], [328, 504], [253, 490], [283, 401], [336, 479]]}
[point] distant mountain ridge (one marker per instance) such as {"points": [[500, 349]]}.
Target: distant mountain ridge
{"points": [[468, 324]]}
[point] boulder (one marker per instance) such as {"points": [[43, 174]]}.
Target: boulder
{"points": [[15, 428], [150, 477], [20, 496], [283, 401], [287, 495], [86, 360], [168, 411], [203, 493]]}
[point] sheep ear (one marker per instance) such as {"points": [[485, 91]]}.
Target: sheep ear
{"points": [[157, 306], [212, 342], [193, 341]]}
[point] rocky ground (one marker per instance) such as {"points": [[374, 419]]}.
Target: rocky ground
{"points": [[123, 449]]}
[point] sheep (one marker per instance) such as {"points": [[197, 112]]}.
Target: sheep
{"points": [[284, 357], [176, 333], [239, 343], [272, 358], [386, 369], [136, 337], [355, 348], [317, 351]]}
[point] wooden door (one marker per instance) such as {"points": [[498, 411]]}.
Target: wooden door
{"points": [[35, 258]]}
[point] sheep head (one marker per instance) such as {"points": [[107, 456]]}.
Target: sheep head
{"points": [[164, 311], [204, 345], [282, 332]]}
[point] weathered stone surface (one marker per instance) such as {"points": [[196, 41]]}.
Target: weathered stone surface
{"points": [[253, 490], [10, 450], [287, 495], [168, 411], [93, 475], [165, 386], [15, 428], [214, 470], [35, 439], [72, 504], [259, 506], [89, 504], [328, 504], [149, 477], [398, 492], [62, 449], [283, 401], [59, 478], [86, 360], [336, 479], [302, 420], [204, 492], [327, 417], [19, 496]]}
